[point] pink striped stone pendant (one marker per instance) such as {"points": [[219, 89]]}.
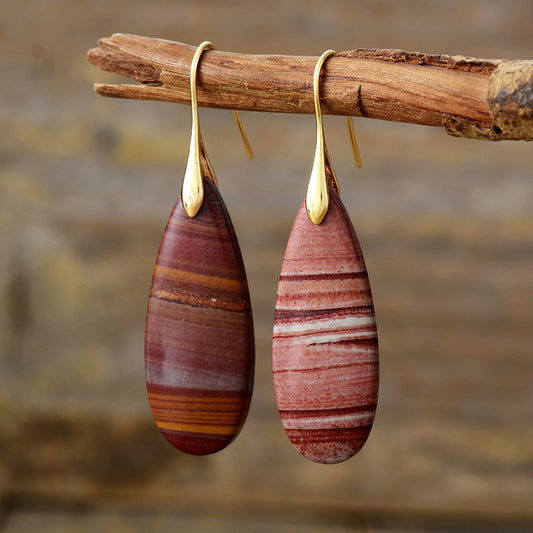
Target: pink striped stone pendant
{"points": [[199, 344], [325, 348]]}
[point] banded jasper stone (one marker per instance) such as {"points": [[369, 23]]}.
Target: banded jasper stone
{"points": [[325, 348], [199, 344]]}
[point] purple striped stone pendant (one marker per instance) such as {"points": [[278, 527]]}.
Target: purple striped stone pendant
{"points": [[199, 343], [325, 347], [199, 347]]}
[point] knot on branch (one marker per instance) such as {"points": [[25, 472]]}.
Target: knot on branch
{"points": [[511, 99]]}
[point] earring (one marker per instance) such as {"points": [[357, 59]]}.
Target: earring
{"points": [[199, 344], [325, 349]]}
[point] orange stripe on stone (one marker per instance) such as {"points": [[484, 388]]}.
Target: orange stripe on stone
{"points": [[198, 428], [216, 300], [216, 400], [199, 280]]}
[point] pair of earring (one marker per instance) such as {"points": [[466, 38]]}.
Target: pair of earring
{"points": [[199, 348]]}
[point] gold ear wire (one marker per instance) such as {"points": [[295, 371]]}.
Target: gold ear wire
{"points": [[192, 189], [317, 197], [354, 142], [244, 138], [198, 165]]}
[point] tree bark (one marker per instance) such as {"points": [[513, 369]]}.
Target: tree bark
{"points": [[476, 98]]}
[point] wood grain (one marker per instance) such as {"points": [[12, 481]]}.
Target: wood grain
{"points": [[434, 90], [199, 349]]}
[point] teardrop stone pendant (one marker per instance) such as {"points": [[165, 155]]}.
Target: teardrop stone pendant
{"points": [[199, 345], [325, 348]]}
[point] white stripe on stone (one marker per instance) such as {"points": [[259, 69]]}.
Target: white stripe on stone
{"points": [[330, 422], [332, 324]]}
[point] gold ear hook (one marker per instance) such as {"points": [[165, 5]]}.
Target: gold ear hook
{"points": [[244, 138], [354, 142], [317, 197], [192, 189], [198, 165]]}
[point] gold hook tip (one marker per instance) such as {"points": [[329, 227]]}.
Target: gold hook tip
{"points": [[244, 138], [351, 132]]}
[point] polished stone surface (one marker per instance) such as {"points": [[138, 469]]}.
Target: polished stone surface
{"points": [[325, 349], [199, 349]]}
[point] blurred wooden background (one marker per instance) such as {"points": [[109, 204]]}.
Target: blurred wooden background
{"points": [[86, 186]]}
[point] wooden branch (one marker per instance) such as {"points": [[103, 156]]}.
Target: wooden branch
{"points": [[474, 98]]}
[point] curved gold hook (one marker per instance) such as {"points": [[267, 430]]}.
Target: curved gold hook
{"points": [[198, 165], [322, 175], [317, 197]]}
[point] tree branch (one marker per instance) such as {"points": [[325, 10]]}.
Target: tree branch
{"points": [[474, 98]]}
